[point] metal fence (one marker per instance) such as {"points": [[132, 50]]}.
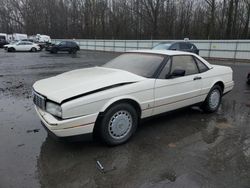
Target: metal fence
{"points": [[224, 49]]}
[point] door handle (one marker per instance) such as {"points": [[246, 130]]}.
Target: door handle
{"points": [[197, 78]]}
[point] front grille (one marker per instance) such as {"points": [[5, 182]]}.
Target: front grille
{"points": [[39, 100]]}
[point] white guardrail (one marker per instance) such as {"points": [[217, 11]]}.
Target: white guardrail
{"points": [[224, 49]]}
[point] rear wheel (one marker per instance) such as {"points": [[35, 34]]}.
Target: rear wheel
{"points": [[118, 124], [54, 51], [213, 100]]}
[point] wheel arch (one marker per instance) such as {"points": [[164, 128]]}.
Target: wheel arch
{"points": [[221, 84], [130, 100], [113, 102]]}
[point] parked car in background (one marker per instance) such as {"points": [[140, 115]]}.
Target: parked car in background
{"points": [[109, 101], [42, 45], [68, 46], [248, 78], [180, 46], [3, 39], [22, 46]]}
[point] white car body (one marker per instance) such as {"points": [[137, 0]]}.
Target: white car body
{"points": [[84, 94], [43, 38], [17, 36], [3, 35], [22, 46]]}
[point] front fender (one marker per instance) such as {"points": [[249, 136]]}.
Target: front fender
{"points": [[116, 99]]}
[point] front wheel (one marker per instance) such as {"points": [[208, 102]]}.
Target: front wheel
{"points": [[53, 50], [72, 51], [33, 49], [118, 124], [213, 100], [11, 50]]}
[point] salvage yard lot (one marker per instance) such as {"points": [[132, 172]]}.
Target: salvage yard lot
{"points": [[185, 148]]}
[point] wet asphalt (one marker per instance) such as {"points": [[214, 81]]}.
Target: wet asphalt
{"points": [[185, 148]]}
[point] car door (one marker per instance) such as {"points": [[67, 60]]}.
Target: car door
{"points": [[20, 46], [68, 46], [63, 46], [28, 45], [173, 92]]}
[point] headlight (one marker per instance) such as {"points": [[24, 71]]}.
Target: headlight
{"points": [[54, 109]]}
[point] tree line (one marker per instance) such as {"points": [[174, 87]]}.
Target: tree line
{"points": [[128, 19]]}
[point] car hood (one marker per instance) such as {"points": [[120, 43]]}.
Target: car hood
{"points": [[8, 45], [82, 81]]}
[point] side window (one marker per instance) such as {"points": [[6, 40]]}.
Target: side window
{"points": [[68, 44], [175, 46], [183, 46], [62, 43], [202, 67], [186, 63], [72, 44], [193, 47], [165, 71]]}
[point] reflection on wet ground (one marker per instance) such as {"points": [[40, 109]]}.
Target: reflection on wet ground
{"points": [[185, 148]]}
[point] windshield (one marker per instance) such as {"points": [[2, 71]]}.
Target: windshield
{"points": [[138, 63], [162, 46]]}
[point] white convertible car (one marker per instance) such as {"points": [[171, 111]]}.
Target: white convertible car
{"points": [[110, 100], [22, 46]]}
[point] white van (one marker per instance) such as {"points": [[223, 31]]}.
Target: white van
{"points": [[17, 36], [43, 38]]}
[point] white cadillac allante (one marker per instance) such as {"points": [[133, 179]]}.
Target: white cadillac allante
{"points": [[110, 100]]}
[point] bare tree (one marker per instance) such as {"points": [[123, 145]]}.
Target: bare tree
{"points": [[128, 19]]}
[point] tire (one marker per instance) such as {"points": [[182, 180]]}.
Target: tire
{"points": [[213, 100], [54, 51], [33, 49], [118, 124], [74, 51], [11, 49]]}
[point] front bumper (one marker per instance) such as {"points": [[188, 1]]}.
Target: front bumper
{"points": [[69, 127]]}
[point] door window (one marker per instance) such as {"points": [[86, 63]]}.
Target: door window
{"points": [[165, 71], [184, 46], [186, 63], [193, 47], [175, 46], [202, 67], [62, 43]]}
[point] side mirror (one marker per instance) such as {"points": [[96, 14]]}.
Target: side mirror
{"points": [[178, 73]]}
